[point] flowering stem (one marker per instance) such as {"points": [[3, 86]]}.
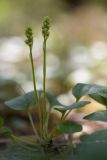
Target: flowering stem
{"points": [[44, 79], [45, 33], [34, 77], [35, 89]]}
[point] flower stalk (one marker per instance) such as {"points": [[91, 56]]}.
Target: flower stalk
{"points": [[29, 42], [45, 33]]}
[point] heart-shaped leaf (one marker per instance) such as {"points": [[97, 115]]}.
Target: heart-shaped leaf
{"points": [[64, 108], [98, 116], [52, 100], [69, 127], [23, 102], [99, 97], [97, 92]]}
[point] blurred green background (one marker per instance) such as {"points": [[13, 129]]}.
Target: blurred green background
{"points": [[76, 49]]}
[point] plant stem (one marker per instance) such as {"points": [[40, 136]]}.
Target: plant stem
{"points": [[33, 127], [62, 116], [47, 121], [68, 111], [44, 79], [22, 141], [24, 144], [35, 89], [34, 77], [67, 114]]}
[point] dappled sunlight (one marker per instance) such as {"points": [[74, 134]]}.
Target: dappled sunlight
{"points": [[83, 61], [11, 49]]}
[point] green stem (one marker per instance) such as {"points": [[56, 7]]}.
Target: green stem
{"points": [[52, 133], [62, 116], [47, 121], [67, 114], [44, 79], [34, 77], [33, 126], [69, 111], [19, 139], [35, 89], [23, 144]]}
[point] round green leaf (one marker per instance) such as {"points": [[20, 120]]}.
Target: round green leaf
{"points": [[98, 116], [69, 127], [64, 108], [23, 102], [97, 92]]}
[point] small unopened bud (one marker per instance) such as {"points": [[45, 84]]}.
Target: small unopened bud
{"points": [[46, 27], [29, 37]]}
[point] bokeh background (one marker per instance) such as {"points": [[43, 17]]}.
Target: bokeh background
{"points": [[76, 49]]}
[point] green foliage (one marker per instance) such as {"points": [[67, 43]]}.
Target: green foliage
{"points": [[54, 103], [98, 116], [22, 102], [27, 100], [33, 98], [94, 137], [97, 92], [6, 132], [68, 127], [63, 108], [52, 100]]}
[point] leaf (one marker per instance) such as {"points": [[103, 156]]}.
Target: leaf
{"points": [[25, 101], [52, 100], [6, 131], [98, 116], [64, 108], [99, 97], [55, 104], [97, 92], [69, 127], [97, 136], [22, 102]]}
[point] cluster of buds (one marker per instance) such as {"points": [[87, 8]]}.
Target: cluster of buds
{"points": [[29, 36], [45, 28]]}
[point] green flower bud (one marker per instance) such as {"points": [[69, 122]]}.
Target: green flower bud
{"points": [[46, 27], [29, 36]]}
